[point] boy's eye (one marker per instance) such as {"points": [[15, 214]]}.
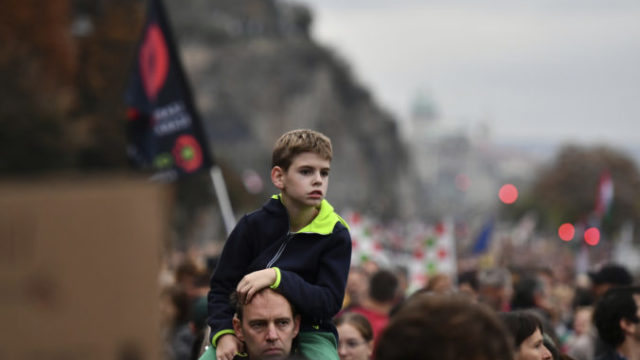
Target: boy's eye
{"points": [[324, 173], [305, 172]]}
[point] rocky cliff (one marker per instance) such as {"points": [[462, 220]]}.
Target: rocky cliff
{"points": [[257, 72]]}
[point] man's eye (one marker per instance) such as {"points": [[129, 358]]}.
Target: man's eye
{"points": [[257, 326], [283, 323]]}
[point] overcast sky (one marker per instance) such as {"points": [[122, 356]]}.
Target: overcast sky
{"points": [[551, 70]]}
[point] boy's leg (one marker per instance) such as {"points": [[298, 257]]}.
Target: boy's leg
{"points": [[318, 345], [208, 354]]}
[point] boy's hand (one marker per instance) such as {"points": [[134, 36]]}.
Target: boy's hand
{"points": [[228, 346], [252, 283]]}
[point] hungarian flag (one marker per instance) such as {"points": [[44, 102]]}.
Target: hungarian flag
{"points": [[605, 194], [165, 133]]}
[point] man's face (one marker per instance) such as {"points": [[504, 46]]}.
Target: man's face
{"points": [[305, 183], [268, 326]]}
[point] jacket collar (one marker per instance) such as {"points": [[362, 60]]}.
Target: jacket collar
{"points": [[323, 223]]}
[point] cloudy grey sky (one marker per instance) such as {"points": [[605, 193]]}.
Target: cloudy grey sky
{"points": [[550, 70]]}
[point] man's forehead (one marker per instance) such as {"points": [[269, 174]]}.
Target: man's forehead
{"points": [[268, 305]]}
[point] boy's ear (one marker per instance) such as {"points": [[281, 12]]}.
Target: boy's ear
{"points": [[237, 327], [277, 177]]}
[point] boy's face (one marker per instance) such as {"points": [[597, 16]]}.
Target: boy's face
{"points": [[305, 183]]}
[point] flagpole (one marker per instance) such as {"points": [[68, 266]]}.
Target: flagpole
{"points": [[223, 198]]}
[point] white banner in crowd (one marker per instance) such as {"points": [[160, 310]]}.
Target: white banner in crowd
{"points": [[424, 249]]}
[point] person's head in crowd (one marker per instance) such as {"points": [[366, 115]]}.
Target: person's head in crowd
{"points": [[383, 287], [267, 325], [526, 332], [370, 266], [179, 307], [546, 275], [531, 292], [357, 288], [495, 288], [617, 318], [355, 335], [582, 320], [468, 284], [439, 283], [444, 327], [193, 279], [609, 276], [402, 274]]}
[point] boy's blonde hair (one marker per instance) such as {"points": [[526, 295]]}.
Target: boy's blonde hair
{"points": [[295, 142]]}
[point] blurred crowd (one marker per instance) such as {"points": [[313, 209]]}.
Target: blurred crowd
{"points": [[376, 298]]}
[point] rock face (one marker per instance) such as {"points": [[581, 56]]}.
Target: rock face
{"points": [[257, 73]]}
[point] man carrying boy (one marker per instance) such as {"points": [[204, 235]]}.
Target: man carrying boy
{"points": [[295, 243]]}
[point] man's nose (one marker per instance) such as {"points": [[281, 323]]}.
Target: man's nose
{"points": [[272, 333]]}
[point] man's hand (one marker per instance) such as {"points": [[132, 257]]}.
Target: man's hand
{"points": [[254, 282], [228, 346]]}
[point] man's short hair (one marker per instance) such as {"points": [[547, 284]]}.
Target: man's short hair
{"points": [[444, 328], [525, 290], [295, 142], [612, 274], [615, 305], [383, 286], [521, 324], [239, 306]]}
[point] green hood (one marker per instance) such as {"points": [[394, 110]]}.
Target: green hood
{"points": [[324, 222]]}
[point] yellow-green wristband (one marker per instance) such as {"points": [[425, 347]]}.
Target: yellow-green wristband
{"points": [[278, 278], [215, 338]]}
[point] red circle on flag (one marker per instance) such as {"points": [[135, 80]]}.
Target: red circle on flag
{"points": [[187, 153], [154, 61]]}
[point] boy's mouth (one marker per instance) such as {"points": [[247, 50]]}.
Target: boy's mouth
{"points": [[316, 193]]}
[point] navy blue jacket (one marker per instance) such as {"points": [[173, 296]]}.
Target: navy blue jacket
{"points": [[313, 263]]}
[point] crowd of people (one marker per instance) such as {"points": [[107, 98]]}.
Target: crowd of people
{"points": [[493, 313], [285, 286]]}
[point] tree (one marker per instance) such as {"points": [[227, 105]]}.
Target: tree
{"points": [[566, 190]]}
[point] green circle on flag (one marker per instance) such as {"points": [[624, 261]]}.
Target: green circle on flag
{"points": [[163, 161], [430, 242], [187, 153], [432, 267]]}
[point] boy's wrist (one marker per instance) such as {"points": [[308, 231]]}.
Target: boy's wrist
{"points": [[276, 282], [219, 335]]}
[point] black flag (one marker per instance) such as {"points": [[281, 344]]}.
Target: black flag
{"points": [[165, 133]]}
